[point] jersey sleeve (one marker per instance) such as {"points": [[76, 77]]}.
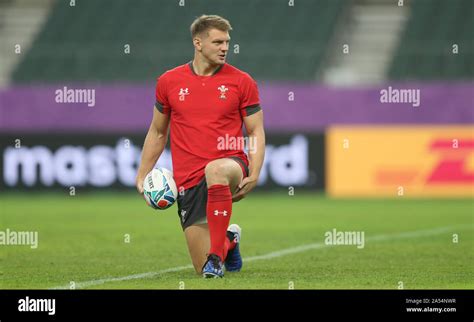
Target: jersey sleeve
{"points": [[162, 103], [249, 98]]}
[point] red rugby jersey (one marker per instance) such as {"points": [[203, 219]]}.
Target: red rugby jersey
{"points": [[204, 111]]}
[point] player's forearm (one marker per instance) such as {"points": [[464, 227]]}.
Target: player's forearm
{"points": [[152, 148], [256, 151]]}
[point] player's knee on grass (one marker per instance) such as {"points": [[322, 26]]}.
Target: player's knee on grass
{"points": [[198, 258], [198, 267], [198, 240]]}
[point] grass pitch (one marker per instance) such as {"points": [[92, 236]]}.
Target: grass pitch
{"points": [[114, 241]]}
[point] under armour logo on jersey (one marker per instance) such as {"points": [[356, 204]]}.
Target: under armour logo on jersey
{"points": [[182, 93], [222, 89], [217, 212]]}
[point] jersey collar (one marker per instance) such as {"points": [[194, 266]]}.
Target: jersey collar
{"points": [[194, 73]]}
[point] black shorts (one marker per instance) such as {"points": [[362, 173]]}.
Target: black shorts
{"points": [[192, 202]]}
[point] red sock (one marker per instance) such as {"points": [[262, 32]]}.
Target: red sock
{"points": [[219, 210], [228, 245]]}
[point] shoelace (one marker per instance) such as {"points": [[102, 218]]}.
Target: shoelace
{"points": [[214, 259]]}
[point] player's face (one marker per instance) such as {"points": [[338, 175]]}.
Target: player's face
{"points": [[215, 46]]}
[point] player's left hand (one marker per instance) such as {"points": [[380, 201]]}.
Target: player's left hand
{"points": [[244, 187]]}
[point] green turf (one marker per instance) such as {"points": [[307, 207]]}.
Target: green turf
{"points": [[81, 239]]}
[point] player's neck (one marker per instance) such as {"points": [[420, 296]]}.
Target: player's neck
{"points": [[204, 68]]}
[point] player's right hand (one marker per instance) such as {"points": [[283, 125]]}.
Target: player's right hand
{"points": [[139, 184]]}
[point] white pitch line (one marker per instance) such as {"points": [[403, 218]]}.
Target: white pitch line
{"points": [[280, 253]]}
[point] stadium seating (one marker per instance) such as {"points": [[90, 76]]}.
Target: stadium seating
{"points": [[426, 48], [86, 42]]}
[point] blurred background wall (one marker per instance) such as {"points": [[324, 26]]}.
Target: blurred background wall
{"points": [[361, 98]]}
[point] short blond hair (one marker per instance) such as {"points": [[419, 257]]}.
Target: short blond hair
{"points": [[206, 22]]}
